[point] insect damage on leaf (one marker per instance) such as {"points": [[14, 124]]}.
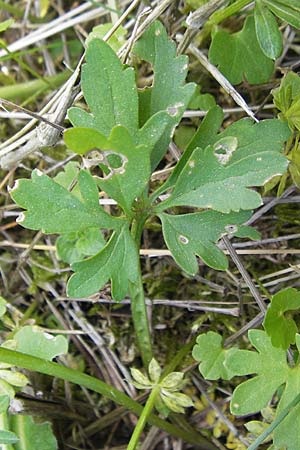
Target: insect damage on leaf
{"points": [[169, 91], [196, 234]]}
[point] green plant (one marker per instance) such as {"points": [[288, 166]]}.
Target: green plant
{"points": [[269, 364], [122, 139], [22, 430]]}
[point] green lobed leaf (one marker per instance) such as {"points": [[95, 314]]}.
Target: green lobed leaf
{"points": [[53, 209], [287, 10], [32, 435], [35, 342], [168, 92], [117, 261], [109, 91], [239, 56], [211, 355], [272, 370], [127, 181], [254, 394], [253, 138], [267, 31], [74, 246], [188, 235], [219, 178], [8, 437], [281, 329]]}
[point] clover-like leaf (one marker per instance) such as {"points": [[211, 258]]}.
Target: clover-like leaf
{"points": [[173, 381], [140, 380], [117, 261], [175, 401], [281, 329], [211, 355], [154, 371], [188, 235], [168, 93], [267, 31], [239, 56], [109, 91], [35, 342], [53, 209]]}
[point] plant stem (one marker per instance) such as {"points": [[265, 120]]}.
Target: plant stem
{"points": [[143, 419], [138, 306], [74, 376], [221, 15], [140, 319], [275, 423]]}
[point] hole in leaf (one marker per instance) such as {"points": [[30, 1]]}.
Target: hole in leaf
{"points": [[224, 148]]}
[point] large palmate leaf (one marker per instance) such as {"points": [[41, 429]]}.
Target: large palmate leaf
{"points": [[239, 56], [168, 91], [254, 394], [109, 91], [53, 209], [117, 261], [281, 329], [188, 235], [127, 165], [251, 396], [217, 179]]}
